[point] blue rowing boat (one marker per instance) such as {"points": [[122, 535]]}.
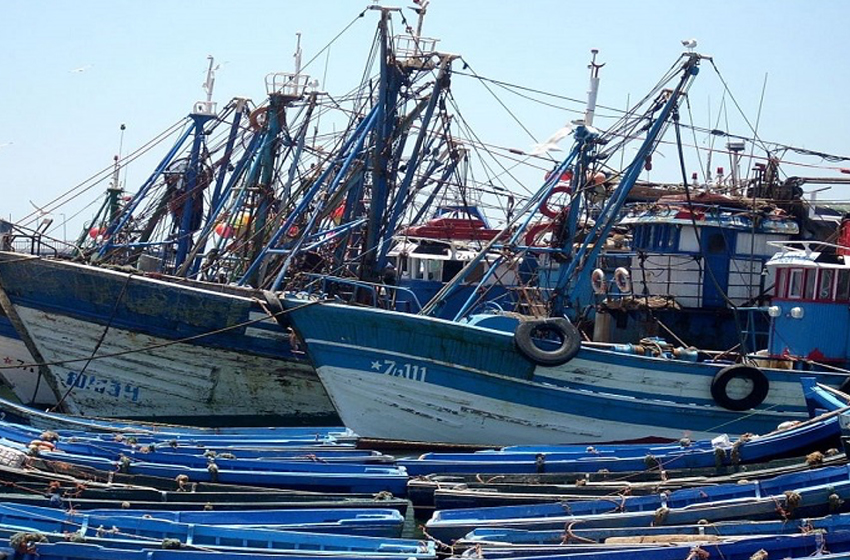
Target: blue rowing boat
{"points": [[816, 434], [576, 533], [787, 546], [376, 522], [816, 492], [196, 534]]}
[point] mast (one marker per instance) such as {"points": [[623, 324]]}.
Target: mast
{"points": [[388, 88], [573, 287], [593, 90]]}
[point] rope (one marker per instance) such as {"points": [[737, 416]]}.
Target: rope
{"points": [[96, 346]]}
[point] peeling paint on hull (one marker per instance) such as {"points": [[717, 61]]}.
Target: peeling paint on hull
{"points": [[154, 356]]}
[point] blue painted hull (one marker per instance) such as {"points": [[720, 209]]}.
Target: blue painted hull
{"points": [[813, 501], [398, 376], [247, 529], [795, 546], [520, 537], [187, 352], [794, 442]]}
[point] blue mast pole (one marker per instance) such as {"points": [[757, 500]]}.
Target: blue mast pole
{"points": [[413, 161], [387, 95], [357, 139], [184, 239], [574, 280], [127, 214]]}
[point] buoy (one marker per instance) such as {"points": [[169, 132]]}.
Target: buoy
{"points": [[623, 280], [597, 280]]}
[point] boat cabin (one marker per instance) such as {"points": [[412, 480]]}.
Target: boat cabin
{"points": [[810, 308], [689, 265], [427, 256], [701, 254]]}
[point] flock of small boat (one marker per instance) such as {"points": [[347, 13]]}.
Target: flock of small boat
{"points": [[80, 488]]}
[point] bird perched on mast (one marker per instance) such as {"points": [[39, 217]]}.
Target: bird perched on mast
{"points": [[690, 44]]}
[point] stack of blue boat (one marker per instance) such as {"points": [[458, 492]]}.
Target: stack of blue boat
{"points": [[57, 484], [797, 510]]}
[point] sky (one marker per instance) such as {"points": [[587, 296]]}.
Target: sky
{"points": [[74, 72]]}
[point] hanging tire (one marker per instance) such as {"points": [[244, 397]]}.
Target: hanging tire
{"points": [[739, 371], [561, 328]]}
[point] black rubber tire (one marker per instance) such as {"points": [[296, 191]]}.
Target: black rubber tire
{"points": [[570, 345], [753, 399]]}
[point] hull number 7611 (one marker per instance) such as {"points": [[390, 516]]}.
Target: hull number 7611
{"points": [[396, 369]]}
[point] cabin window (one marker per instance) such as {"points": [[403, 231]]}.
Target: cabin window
{"points": [[810, 285], [843, 291], [432, 269], [779, 285], [450, 268], [795, 283], [716, 244], [658, 237], [827, 275], [650, 242]]}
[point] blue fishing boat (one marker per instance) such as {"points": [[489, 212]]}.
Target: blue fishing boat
{"points": [[820, 433], [78, 551], [694, 268], [706, 532], [494, 379], [796, 546], [262, 536], [146, 325], [801, 501], [785, 546], [296, 475], [365, 522]]}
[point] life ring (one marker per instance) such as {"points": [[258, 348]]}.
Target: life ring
{"points": [[623, 280], [535, 231], [755, 397], [561, 328], [597, 280], [545, 209], [258, 118]]}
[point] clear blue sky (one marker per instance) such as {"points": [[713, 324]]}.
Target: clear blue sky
{"points": [[73, 72]]}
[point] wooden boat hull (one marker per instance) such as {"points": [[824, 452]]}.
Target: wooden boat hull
{"points": [[162, 349], [18, 373], [398, 376]]}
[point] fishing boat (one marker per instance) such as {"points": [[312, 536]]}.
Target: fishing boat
{"points": [[375, 522], [162, 345], [796, 546], [147, 325], [247, 530], [492, 379], [818, 434], [694, 269], [798, 501], [646, 535]]}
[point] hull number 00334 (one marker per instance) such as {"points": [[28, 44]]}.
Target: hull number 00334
{"points": [[407, 371]]}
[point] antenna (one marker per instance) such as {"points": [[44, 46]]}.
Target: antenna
{"points": [[208, 107], [116, 168], [594, 88], [297, 54], [422, 8]]}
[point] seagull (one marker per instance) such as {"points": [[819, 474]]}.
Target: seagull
{"points": [[690, 44], [6, 144], [551, 143], [80, 69]]}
